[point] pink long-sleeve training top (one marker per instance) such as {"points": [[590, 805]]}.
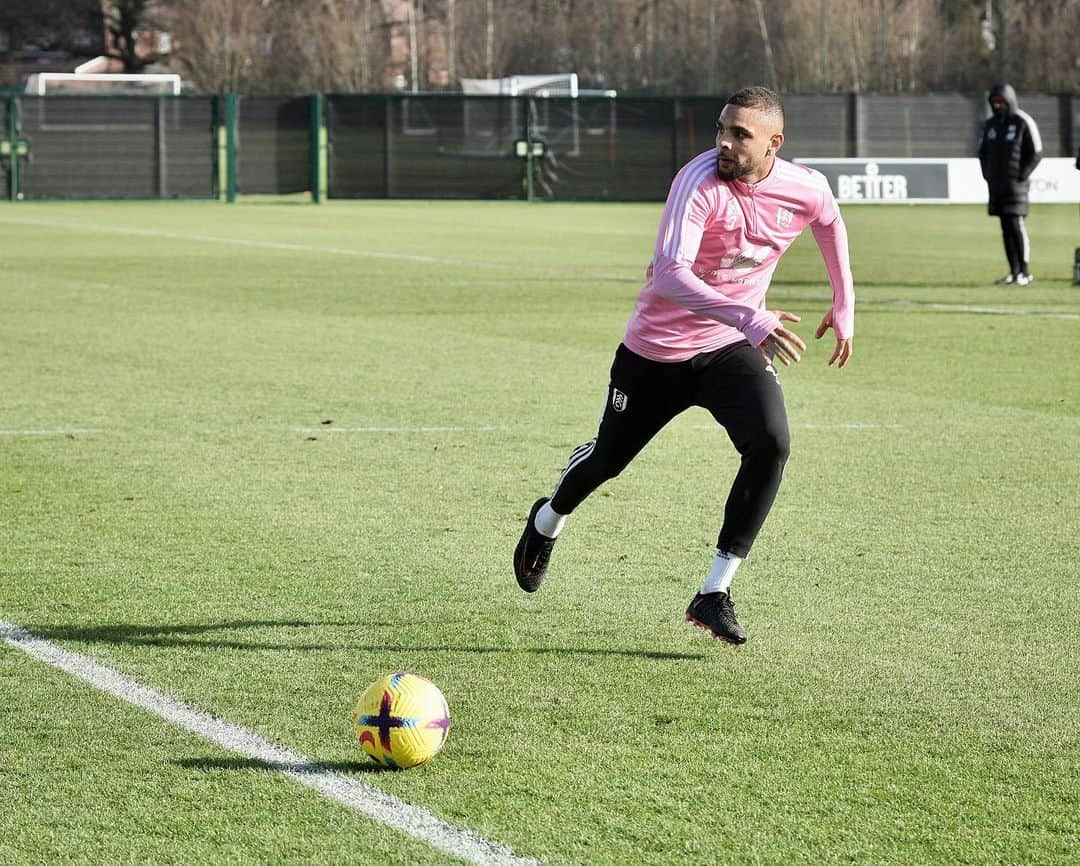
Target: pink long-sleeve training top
{"points": [[718, 245]]}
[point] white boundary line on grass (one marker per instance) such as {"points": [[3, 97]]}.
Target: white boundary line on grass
{"points": [[243, 242], [70, 432], [987, 311], [416, 822]]}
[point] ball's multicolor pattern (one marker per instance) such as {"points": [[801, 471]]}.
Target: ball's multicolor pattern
{"points": [[402, 720]]}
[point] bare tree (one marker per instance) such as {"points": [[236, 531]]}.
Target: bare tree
{"points": [[125, 20], [222, 45], [689, 46]]}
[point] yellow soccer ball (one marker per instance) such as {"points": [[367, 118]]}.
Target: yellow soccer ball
{"points": [[402, 720]]}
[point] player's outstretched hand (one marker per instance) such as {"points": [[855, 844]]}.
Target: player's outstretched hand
{"points": [[783, 344], [844, 349]]}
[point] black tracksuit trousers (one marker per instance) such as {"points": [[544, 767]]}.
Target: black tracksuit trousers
{"points": [[1014, 234], [740, 391]]}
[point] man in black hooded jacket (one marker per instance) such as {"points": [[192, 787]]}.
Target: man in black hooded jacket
{"points": [[1009, 149]]}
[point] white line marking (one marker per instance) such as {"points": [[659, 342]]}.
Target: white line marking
{"points": [[329, 429], [628, 276], [416, 822], [855, 426], [243, 242], [48, 432], [988, 311], [870, 303]]}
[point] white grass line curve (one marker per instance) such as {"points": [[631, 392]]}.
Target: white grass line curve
{"points": [[329, 429], [66, 432], [978, 310], [418, 823], [868, 304], [245, 242]]}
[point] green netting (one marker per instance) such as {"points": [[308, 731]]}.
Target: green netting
{"points": [[356, 127], [918, 125], [817, 126], [273, 144], [118, 146], [606, 149], [1044, 109], [457, 146]]}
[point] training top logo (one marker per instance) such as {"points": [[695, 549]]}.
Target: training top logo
{"points": [[743, 260], [784, 217]]}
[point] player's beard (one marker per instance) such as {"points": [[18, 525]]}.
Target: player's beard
{"points": [[734, 169]]}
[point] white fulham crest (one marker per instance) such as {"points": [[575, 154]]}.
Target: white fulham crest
{"points": [[618, 400], [784, 216]]}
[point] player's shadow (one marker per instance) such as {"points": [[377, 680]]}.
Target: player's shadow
{"points": [[299, 767], [207, 636], [188, 635]]}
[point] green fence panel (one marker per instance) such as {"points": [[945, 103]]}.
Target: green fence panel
{"points": [[449, 145], [118, 147], [603, 149], [273, 144], [454, 147], [356, 126]]}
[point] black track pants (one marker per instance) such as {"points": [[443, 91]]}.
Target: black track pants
{"points": [[1014, 234], [732, 383]]}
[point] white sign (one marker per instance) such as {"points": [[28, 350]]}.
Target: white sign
{"points": [[1054, 180], [937, 181]]}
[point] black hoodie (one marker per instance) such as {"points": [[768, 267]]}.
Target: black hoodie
{"points": [[1009, 149]]}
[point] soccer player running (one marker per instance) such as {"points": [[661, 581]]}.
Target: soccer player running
{"points": [[700, 335]]}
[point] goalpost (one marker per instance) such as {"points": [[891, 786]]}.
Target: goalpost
{"points": [[96, 84], [43, 83], [556, 85]]}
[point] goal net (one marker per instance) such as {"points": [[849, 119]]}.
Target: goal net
{"points": [[557, 86]]}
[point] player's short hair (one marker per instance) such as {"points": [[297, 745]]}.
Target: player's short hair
{"points": [[764, 100]]}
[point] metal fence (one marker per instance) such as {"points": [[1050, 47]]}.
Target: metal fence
{"points": [[448, 145]]}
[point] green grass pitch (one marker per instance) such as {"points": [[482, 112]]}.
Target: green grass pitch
{"points": [[910, 690]]}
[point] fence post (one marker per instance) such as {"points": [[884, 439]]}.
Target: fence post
{"points": [[318, 150], [1065, 124], [160, 158], [387, 141], [675, 105], [12, 150], [230, 147], [853, 125], [527, 101], [225, 110]]}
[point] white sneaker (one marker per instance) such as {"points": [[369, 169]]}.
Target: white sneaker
{"points": [[1006, 280], [1024, 279]]}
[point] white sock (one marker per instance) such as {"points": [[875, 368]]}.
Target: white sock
{"points": [[722, 571], [548, 521]]}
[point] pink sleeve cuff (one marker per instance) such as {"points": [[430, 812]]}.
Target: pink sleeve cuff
{"points": [[760, 326]]}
